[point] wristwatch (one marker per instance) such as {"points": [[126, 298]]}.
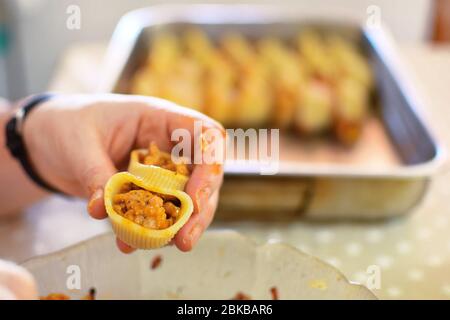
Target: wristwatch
{"points": [[15, 143]]}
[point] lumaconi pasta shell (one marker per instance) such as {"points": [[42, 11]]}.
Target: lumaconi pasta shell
{"points": [[154, 175], [134, 234]]}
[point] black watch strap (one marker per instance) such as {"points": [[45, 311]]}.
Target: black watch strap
{"points": [[15, 143]]}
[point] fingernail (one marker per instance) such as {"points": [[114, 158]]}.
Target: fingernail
{"points": [[195, 234], [98, 194]]}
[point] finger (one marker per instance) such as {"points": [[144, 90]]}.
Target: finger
{"points": [[125, 248], [202, 187], [96, 205], [161, 118], [163, 121], [189, 235], [93, 169], [17, 281], [95, 172], [205, 180]]}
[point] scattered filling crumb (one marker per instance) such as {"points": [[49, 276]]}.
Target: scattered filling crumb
{"points": [[61, 296], [318, 284], [156, 262], [55, 296], [241, 296], [148, 209], [274, 293], [164, 160]]}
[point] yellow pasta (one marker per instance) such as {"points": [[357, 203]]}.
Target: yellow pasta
{"points": [[253, 98], [313, 82], [183, 84], [198, 45], [133, 233], [168, 178], [147, 205], [239, 49], [145, 83], [286, 76], [351, 109], [219, 88], [164, 52], [350, 61], [314, 114], [314, 50]]}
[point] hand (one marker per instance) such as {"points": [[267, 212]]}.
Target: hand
{"points": [[16, 283], [77, 142]]}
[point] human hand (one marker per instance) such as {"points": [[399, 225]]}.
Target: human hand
{"points": [[77, 142], [16, 282]]}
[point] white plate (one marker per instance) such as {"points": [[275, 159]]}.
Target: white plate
{"points": [[223, 264]]}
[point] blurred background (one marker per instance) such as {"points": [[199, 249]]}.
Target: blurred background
{"points": [[351, 221], [33, 33]]}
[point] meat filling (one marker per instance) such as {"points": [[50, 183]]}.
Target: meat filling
{"points": [[162, 159], [148, 209]]}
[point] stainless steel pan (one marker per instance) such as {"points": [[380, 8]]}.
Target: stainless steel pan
{"points": [[385, 174]]}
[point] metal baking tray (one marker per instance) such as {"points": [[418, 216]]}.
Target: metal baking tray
{"points": [[385, 174]]}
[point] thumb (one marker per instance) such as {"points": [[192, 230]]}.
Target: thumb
{"points": [[94, 170]]}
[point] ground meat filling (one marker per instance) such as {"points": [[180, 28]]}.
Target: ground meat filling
{"points": [[162, 159], [148, 209], [61, 296]]}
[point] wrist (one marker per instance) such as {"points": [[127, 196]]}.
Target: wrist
{"points": [[15, 139]]}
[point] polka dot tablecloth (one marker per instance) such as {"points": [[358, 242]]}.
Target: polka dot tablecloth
{"points": [[412, 253]]}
